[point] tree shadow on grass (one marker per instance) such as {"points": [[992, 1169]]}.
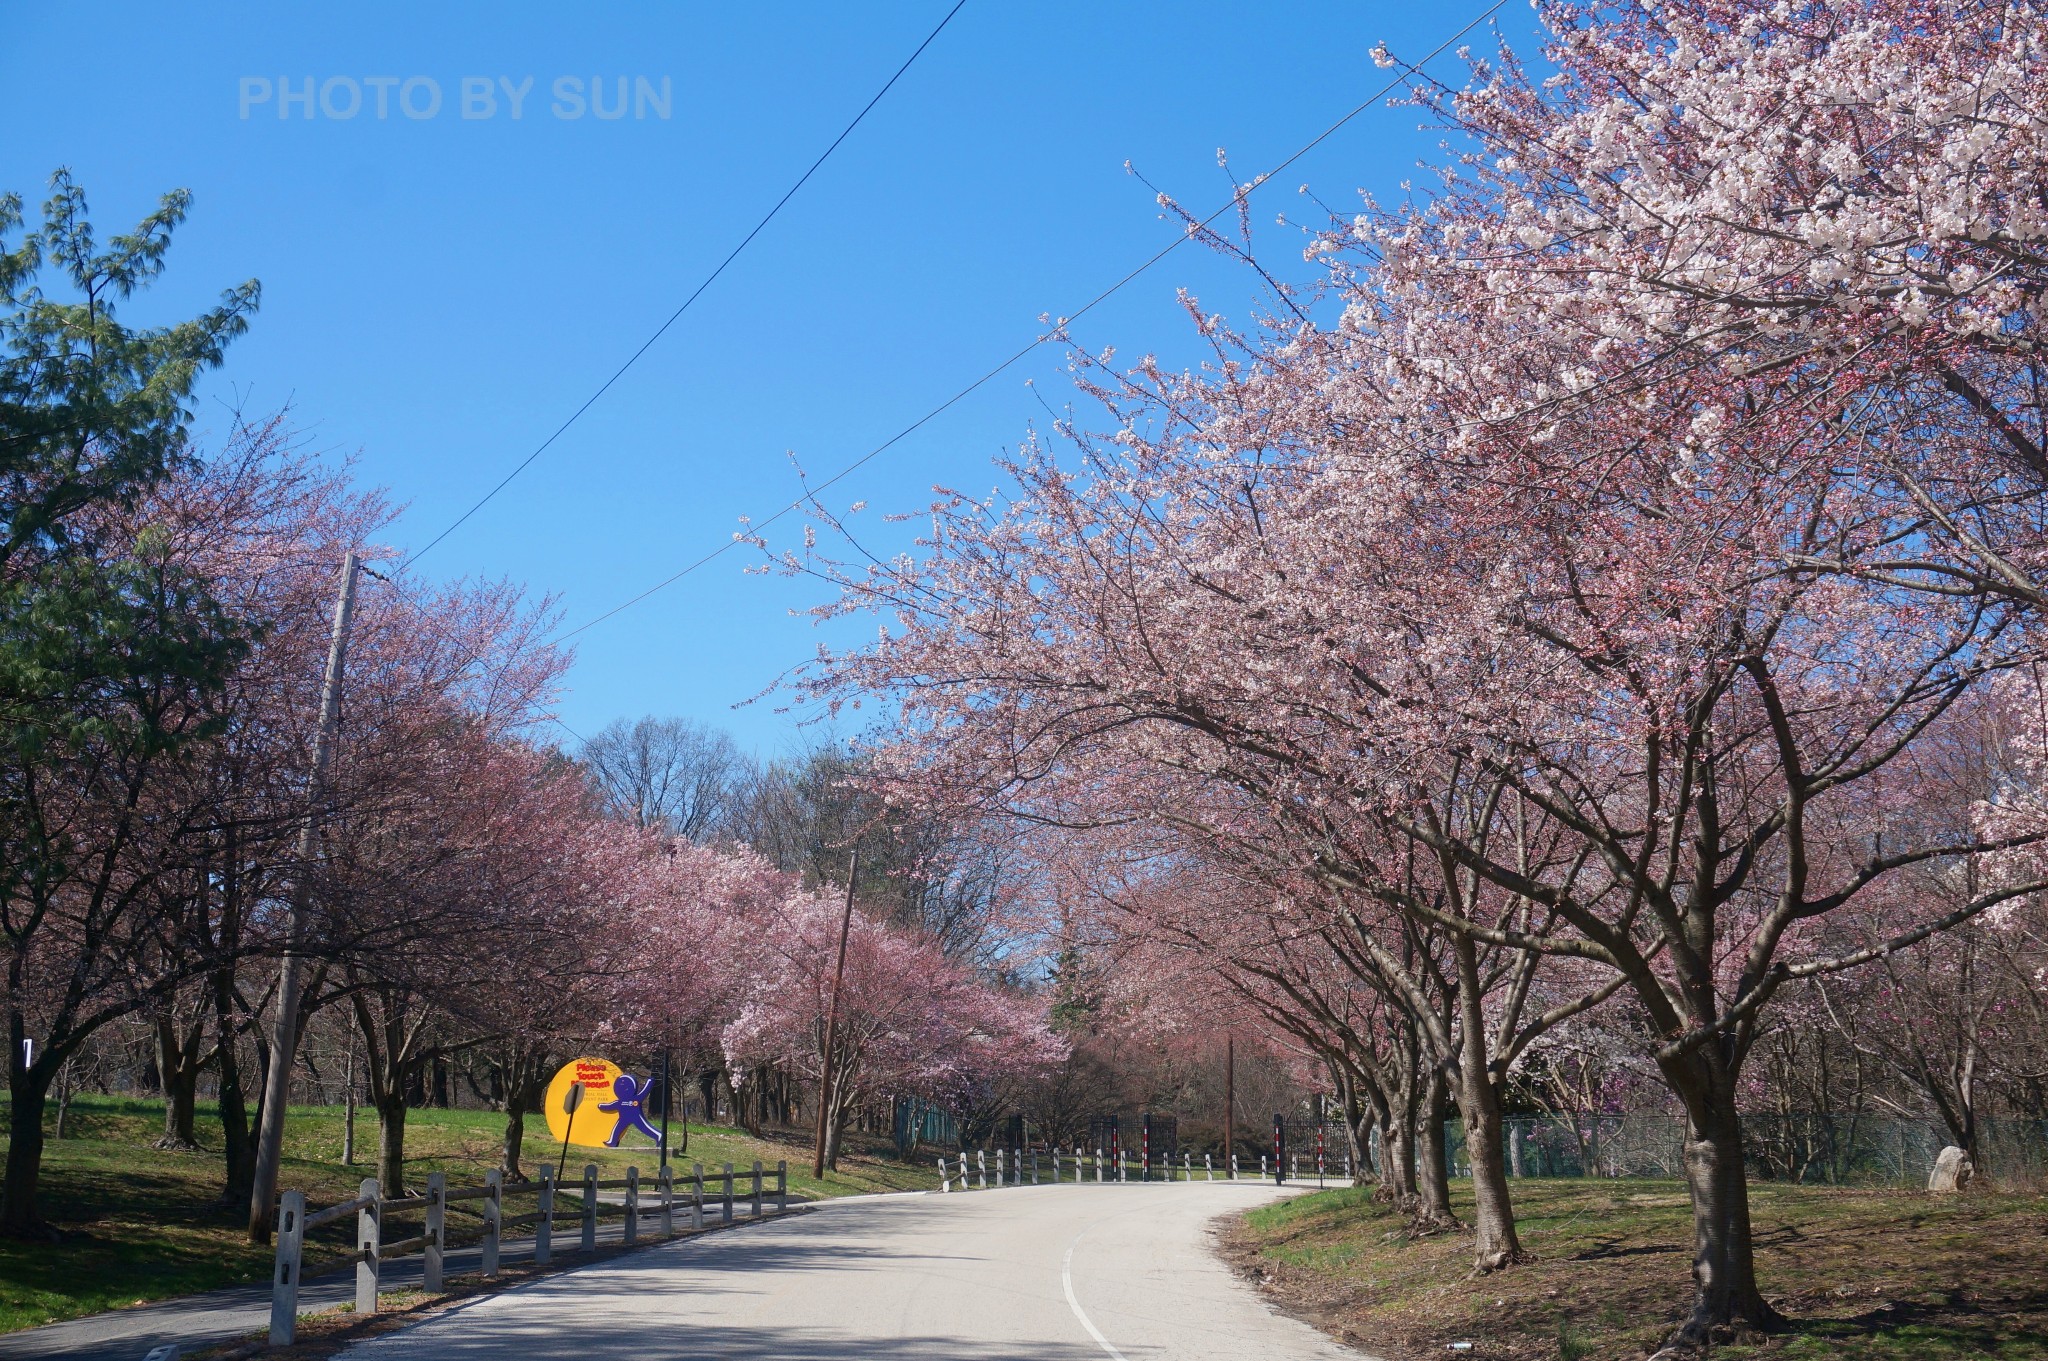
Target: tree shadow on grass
{"points": [[1948, 1322]]}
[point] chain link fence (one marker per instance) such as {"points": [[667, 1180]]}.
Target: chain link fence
{"points": [[1816, 1149]]}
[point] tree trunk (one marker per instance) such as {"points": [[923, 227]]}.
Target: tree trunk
{"points": [[1357, 1125], [238, 1149], [179, 1077], [64, 1101], [391, 1141], [1496, 1243], [515, 1138], [28, 1089], [1397, 1162], [1433, 1177], [181, 1101], [837, 1108], [1725, 1294]]}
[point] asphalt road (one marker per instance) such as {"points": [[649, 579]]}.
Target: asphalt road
{"points": [[1047, 1273]]}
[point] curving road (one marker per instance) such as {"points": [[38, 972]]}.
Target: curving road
{"points": [[1047, 1273]]}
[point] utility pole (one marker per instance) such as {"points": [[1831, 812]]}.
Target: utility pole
{"points": [[284, 1029], [1229, 1094], [832, 1019], [666, 1101]]}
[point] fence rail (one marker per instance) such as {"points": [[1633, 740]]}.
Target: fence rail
{"points": [[1077, 1166], [669, 1193]]}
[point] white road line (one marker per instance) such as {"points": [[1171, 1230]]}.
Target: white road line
{"points": [[1073, 1303]]}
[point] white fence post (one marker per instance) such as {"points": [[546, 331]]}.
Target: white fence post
{"points": [[1262, 1167], [1098, 1167], [494, 1219], [1034, 1168], [1187, 1168], [437, 1231], [370, 1243], [757, 1188], [697, 1195], [981, 1166], [999, 1167], [1233, 1167], [632, 1205], [544, 1227], [589, 1207], [945, 1177], [1209, 1167], [284, 1281]]}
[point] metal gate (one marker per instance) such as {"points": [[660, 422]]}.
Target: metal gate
{"points": [[1314, 1150], [1146, 1143]]}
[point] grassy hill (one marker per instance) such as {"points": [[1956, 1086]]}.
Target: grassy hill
{"points": [[139, 1223]]}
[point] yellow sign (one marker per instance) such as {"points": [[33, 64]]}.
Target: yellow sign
{"points": [[585, 1124]]}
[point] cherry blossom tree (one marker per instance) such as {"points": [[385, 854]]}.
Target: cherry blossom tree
{"points": [[1681, 601], [910, 1020]]}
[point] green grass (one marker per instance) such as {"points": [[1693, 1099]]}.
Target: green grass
{"points": [[1862, 1275], [137, 1223]]}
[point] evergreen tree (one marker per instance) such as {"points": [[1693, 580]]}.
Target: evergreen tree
{"points": [[106, 640]]}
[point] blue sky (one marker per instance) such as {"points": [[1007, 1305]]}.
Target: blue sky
{"points": [[441, 292]]}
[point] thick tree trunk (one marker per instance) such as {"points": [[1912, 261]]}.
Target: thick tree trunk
{"points": [[1397, 1163], [237, 1139], [1496, 1243], [1725, 1294], [28, 1090], [178, 1075], [181, 1102], [238, 1148], [1433, 1176], [391, 1141]]}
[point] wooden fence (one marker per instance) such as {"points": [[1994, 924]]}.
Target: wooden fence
{"points": [[660, 1198], [1012, 1167]]}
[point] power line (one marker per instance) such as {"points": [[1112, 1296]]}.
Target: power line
{"points": [[908, 430], [709, 279]]}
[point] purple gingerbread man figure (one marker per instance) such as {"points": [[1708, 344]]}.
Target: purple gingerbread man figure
{"points": [[629, 1094]]}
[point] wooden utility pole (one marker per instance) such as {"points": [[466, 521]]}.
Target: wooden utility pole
{"points": [[1229, 1095], [832, 1019], [284, 1028]]}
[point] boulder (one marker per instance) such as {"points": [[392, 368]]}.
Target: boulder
{"points": [[1952, 1171]]}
